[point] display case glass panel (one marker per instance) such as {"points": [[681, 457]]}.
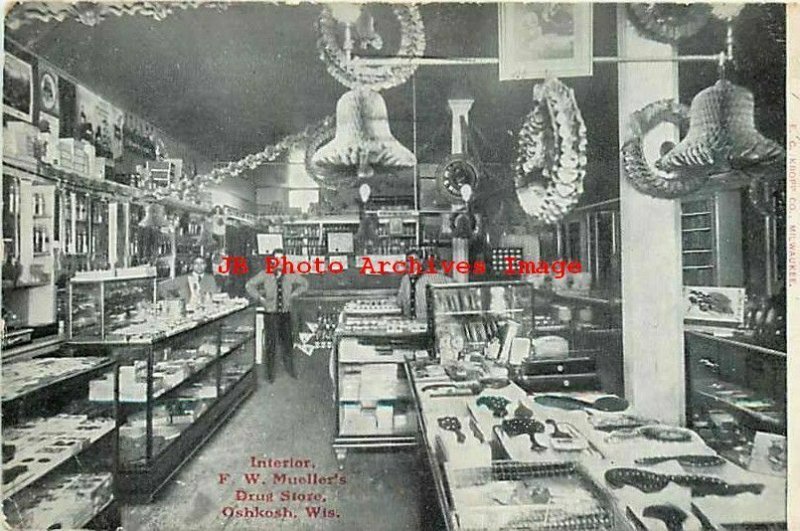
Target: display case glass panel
{"points": [[99, 306]]}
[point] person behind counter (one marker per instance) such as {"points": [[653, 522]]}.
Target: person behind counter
{"points": [[276, 292], [191, 288], [412, 294]]}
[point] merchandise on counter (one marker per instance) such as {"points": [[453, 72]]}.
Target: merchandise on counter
{"points": [[64, 502], [156, 325], [550, 347], [24, 376], [666, 433], [497, 404], [650, 482], [524, 426], [604, 403], [39, 445], [673, 517], [513, 495], [372, 307], [690, 461], [615, 422], [454, 425]]}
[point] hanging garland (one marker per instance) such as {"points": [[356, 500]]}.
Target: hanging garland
{"points": [[254, 160], [90, 13], [668, 23], [353, 75], [551, 160], [643, 176], [321, 136]]}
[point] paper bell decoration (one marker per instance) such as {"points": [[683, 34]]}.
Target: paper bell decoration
{"points": [[722, 135], [363, 141]]}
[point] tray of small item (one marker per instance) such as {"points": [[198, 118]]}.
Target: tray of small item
{"points": [[515, 495]]}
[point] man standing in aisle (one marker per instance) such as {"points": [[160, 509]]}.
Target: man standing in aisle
{"points": [[194, 287], [276, 291]]}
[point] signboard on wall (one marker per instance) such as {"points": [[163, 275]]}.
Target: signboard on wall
{"points": [[96, 121], [17, 88]]}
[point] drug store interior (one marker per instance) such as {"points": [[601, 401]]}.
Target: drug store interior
{"points": [[645, 142]]}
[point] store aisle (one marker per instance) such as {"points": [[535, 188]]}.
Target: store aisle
{"points": [[288, 419]]}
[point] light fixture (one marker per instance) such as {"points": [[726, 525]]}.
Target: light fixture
{"points": [[364, 192], [466, 192], [348, 15]]}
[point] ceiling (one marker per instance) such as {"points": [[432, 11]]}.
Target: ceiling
{"points": [[228, 83]]}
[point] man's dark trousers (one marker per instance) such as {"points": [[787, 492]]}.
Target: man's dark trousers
{"points": [[278, 342]]}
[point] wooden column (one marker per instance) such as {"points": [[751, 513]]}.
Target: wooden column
{"points": [[651, 247]]}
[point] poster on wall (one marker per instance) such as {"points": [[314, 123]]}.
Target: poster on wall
{"points": [[95, 120], [66, 105], [17, 88], [539, 40], [48, 90], [53, 124], [711, 303]]}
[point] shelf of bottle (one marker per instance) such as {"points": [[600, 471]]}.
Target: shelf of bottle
{"points": [[481, 312]]}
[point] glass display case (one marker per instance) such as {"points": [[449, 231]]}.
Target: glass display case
{"points": [[100, 303], [373, 399], [374, 405], [173, 388], [590, 323], [735, 389], [465, 317], [57, 444]]}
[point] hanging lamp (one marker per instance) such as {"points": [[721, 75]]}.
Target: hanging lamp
{"points": [[363, 142]]}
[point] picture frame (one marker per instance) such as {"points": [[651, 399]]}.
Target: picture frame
{"points": [[18, 88], [541, 40], [715, 304], [268, 242]]}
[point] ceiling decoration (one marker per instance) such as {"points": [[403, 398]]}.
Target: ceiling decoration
{"points": [[363, 141], [722, 135], [641, 174], [268, 154], [323, 135], [338, 58], [551, 160], [668, 23], [92, 13]]}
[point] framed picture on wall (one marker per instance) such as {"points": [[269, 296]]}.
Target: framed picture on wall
{"points": [[539, 40], [711, 303], [17, 88]]}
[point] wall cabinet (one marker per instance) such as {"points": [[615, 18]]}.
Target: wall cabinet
{"points": [[711, 232]]}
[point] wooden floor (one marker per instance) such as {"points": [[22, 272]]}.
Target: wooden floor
{"points": [[286, 419]]}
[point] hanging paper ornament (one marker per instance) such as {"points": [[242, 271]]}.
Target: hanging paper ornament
{"points": [[354, 75], [668, 23], [722, 135], [551, 159], [363, 141], [645, 177]]}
